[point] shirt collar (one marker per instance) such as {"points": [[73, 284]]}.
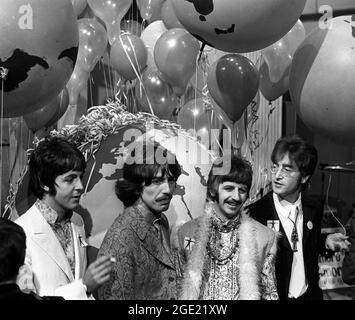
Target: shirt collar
{"points": [[147, 214], [286, 207], [49, 214]]}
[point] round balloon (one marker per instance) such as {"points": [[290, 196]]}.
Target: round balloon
{"points": [[322, 80], [233, 82], [175, 55], [38, 48], [39, 118], [150, 36], [79, 6], [157, 93], [61, 104], [92, 43], [238, 25], [128, 56], [169, 17]]}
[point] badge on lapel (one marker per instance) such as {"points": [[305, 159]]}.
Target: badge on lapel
{"points": [[188, 243], [310, 225], [274, 225]]}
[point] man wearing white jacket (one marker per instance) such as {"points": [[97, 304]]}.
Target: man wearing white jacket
{"points": [[56, 257]]}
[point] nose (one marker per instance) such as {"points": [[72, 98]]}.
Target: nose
{"points": [[79, 184], [278, 173], [236, 195], [166, 189]]}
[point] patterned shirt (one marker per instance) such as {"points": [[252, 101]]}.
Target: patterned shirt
{"points": [[223, 250], [62, 230]]}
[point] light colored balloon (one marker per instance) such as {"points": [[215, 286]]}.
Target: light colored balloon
{"points": [[279, 55], [111, 12], [39, 49], [238, 25], [322, 80], [79, 6], [273, 90], [92, 43], [150, 36], [76, 84]]}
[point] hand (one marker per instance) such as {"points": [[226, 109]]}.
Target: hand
{"points": [[98, 273], [337, 242]]}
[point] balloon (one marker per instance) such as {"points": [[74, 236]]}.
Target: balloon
{"points": [[195, 116], [203, 118], [39, 118], [92, 43], [322, 80], [111, 12], [77, 83], [159, 93], [238, 25], [169, 17], [175, 55], [61, 104], [38, 47], [132, 27], [79, 6], [128, 56], [233, 82], [279, 55], [150, 36], [272, 90], [148, 7]]}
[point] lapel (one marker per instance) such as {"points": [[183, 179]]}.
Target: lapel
{"points": [[150, 238], [45, 238], [272, 215], [79, 248], [308, 220]]}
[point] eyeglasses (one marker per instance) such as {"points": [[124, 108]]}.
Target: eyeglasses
{"points": [[284, 171]]}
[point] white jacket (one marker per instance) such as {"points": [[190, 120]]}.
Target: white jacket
{"points": [[47, 270]]}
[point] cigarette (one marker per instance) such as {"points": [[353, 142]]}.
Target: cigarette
{"points": [[113, 259]]}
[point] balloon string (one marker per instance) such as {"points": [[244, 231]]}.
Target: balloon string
{"points": [[90, 88], [135, 71], [110, 76], [3, 74], [101, 64], [201, 50]]}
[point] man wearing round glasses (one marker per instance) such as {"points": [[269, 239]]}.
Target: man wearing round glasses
{"points": [[298, 219]]}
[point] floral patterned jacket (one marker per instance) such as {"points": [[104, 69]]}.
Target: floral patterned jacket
{"points": [[144, 267]]}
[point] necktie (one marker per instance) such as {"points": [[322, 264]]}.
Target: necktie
{"points": [[294, 234]]}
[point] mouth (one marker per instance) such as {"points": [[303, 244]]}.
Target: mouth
{"points": [[163, 201], [233, 204], [277, 184]]}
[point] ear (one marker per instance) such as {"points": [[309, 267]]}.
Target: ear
{"points": [[45, 188], [305, 179]]}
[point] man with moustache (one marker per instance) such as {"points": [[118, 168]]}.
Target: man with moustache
{"points": [[227, 255], [139, 238], [298, 218], [56, 257]]}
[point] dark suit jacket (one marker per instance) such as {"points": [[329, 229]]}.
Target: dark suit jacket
{"points": [[144, 269], [313, 244]]}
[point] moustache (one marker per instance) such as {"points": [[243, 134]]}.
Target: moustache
{"points": [[233, 202]]}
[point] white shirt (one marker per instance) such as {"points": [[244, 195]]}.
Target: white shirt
{"points": [[287, 212]]}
